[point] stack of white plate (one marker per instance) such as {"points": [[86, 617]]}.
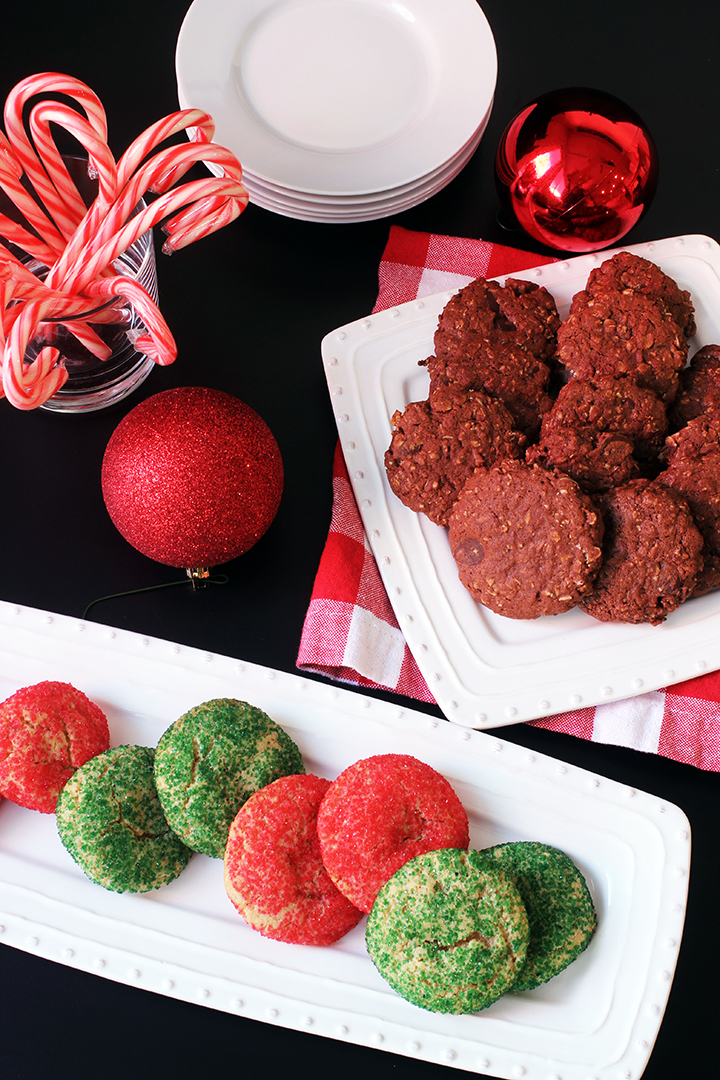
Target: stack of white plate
{"points": [[341, 110]]}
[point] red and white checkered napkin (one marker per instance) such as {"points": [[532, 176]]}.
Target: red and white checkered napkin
{"points": [[350, 630]]}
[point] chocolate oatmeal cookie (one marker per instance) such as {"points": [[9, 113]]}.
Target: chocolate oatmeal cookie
{"points": [[699, 393], [526, 540], [499, 339], [598, 429], [505, 372], [693, 471], [630, 273], [626, 335], [652, 554], [608, 404], [596, 460], [520, 312], [437, 444]]}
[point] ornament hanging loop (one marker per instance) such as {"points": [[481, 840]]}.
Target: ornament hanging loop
{"points": [[199, 576]]}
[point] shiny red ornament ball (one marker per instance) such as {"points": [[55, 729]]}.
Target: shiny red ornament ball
{"points": [[192, 477], [578, 168]]}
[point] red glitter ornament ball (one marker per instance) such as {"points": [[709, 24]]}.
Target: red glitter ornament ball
{"points": [[578, 168], [192, 477]]}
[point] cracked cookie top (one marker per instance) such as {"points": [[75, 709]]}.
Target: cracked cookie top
{"points": [[46, 732], [110, 820], [448, 932], [210, 760]]}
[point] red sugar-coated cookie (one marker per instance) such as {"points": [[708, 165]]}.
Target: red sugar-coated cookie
{"points": [[274, 873], [47, 731], [379, 813]]}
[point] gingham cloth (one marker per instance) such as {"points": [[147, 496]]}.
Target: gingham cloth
{"points": [[350, 631]]}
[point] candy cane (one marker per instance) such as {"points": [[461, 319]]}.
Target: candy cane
{"points": [[79, 245], [183, 233], [29, 385], [88, 338], [158, 343], [158, 132], [16, 234], [150, 177], [67, 207], [26, 384], [46, 82], [29, 394], [52, 240], [87, 268], [26, 286]]}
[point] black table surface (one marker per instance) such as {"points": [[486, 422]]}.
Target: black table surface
{"points": [[248, 308]]}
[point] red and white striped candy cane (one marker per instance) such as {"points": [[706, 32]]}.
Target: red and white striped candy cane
{"points": [[157, 133], [92, 262], [151, 176], [67, 207], [27, 385], [159, 342], [52, 241], [79, 245], [46, 82]]}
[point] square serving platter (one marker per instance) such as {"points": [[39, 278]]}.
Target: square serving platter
{"points": [[486, 670], [599, 1018]]}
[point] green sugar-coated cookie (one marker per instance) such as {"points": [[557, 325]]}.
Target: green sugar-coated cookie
{"points": [[448, 932], [110, 820], [559, 906], [211, 760]]}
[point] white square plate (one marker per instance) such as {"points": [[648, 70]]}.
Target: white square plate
{"points": [[486, 670], [599, 1018]]}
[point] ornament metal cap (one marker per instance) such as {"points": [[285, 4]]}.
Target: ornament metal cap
{"points": [[199, 576]]}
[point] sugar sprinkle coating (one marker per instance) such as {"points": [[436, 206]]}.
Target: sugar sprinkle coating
{"points": [[559, 907], [110, 820], [449, 933], [210, 760], [47, 731], [437, 443], [526, 540], [652, 554], [693, 471], [380, 812], [274, 873]]}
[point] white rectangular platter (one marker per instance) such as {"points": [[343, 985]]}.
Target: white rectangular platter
{"points": [[598, 1018], [486, 670]]}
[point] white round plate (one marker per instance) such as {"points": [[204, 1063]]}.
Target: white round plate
{"points": [[339, 96], [329, 212], [342, 204], [334, 215]]}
